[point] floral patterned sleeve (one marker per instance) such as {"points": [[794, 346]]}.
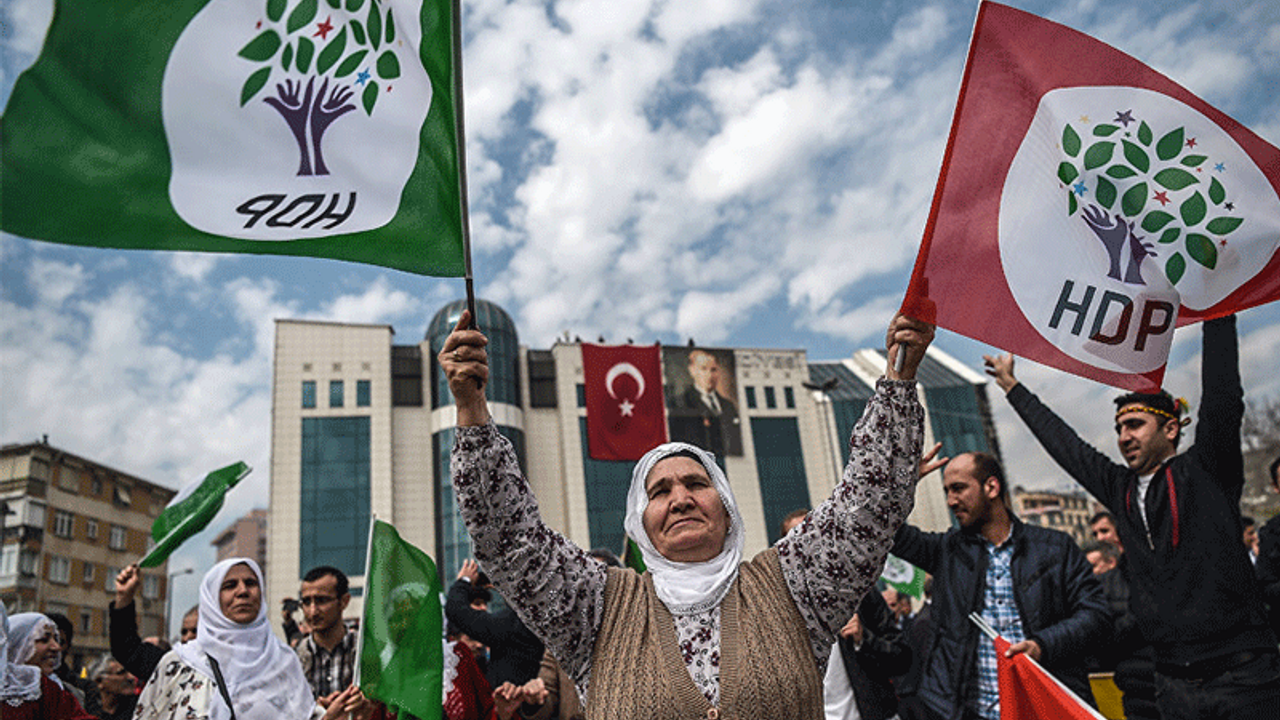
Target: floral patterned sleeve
{"points": [[835, 555], [553, 585]]}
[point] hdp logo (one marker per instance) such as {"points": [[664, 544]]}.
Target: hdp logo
{"points": [[294, 119], [1122, 205]]}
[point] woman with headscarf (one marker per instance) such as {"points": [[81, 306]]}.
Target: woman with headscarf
{"points": [[27, 691], [701, 633], [236, 667]]}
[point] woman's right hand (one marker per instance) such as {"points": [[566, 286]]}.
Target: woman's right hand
{"points": [[465, 363]]}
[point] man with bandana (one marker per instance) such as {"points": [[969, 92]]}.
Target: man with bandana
{"points": [[1194, 594]]}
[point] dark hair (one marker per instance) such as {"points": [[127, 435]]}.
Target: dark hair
{"points": [[65, 628], [1273, 470], [1246, 521], [1161, 401], [606, 556], [1099, 517], [1109, 551], [782, 528], [316, 573], [986, 466], [478, 592]]}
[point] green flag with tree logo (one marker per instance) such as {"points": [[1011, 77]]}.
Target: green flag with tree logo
{"points": [[190, 511], [322, 128], [401, 648]]}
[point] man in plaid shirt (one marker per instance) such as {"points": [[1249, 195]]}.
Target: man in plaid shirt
{"points": [[328, 654], [1032, 584]]}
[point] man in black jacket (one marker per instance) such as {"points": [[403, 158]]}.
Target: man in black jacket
{"points": [[1032, 584], [515, 653], [1268, 566], [1193, 590]]}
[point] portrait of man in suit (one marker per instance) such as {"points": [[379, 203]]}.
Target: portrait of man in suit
{"points": [[700, 404]]}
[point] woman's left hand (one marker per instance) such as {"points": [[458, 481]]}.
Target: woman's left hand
{"points": [[349, 703]]}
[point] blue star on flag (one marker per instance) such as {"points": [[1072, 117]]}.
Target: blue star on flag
{"points": [[1220, 167], [1079, 188], [362, 77]]}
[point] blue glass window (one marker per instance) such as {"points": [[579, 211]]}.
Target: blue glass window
{"points": [[335, 393], [780, 466], [308, 393], [751, 397], [789, 396], [364, 393], [770, 397], [607, 482], [334, 501]]}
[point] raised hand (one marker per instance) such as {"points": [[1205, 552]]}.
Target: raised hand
{"points": [[1000, 367], [465, 363], [127, 581], [910, 337], [930, 460]]}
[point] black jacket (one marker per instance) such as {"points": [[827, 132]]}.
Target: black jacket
{"points": [[1193, 590], [139, 658], [1059, 601], [515, 653], [1268, 569], [882, 655]]}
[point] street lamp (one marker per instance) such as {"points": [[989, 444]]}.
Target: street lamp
{"points": [[168, 600]]}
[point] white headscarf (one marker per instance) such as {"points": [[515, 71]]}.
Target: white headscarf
{"points": [[26, 629], [685, 587], [19, 682], [263, 675]]}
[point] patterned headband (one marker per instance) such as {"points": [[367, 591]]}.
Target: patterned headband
{"points": [[1179, 403]]}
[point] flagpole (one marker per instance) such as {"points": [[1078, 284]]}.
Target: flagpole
{"points": [[461, 133], [368, 558]]}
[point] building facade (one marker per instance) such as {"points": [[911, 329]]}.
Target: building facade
{"points": [[362, 425], [1068, 512], [72, 525], [246, 537]]}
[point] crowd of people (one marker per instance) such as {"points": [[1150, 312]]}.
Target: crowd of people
{"points": [[1178, 595]]}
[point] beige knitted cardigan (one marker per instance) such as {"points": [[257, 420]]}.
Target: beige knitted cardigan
{"points": [[767, 668]]}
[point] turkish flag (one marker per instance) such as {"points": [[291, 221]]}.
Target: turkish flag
{"points": [[626, 416], [1087, 205], [1027, 692]]}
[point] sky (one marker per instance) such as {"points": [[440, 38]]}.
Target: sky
{"points": [[752, 173]]}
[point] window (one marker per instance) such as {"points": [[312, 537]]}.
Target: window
{"points": [[63, 523], [364, 393], [95, 486], [117, 537], [87, 575], [582, 394], [770, 398], [86, 622], [751, 397], [27, 562], [335, 393], [59, 570], [122, 496], [308, 393], [789, 397], [150, 586], [109, 578], [9, 561], [91, 529]]}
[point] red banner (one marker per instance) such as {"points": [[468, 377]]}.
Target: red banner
{"points": [[1087, 205], [1027, 692], [626, 416]]}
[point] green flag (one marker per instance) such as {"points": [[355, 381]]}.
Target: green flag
{"points": [[903, 576], [190, 511], [289, 127], [400, 635], [631, 556]]}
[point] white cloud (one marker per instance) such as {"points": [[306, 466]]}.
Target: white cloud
{"points": [[193, 266], [54, 281]]}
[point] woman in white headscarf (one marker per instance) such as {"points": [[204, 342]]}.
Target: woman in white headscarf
{"points": [[701, 633], [236, 667], [27, 690]]}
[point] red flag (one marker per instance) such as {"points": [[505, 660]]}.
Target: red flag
{"points": [[1087, 204], [626, 416], [1027, 692]]}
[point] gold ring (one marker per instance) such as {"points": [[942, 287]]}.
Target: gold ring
{"points": [[456, 356]]}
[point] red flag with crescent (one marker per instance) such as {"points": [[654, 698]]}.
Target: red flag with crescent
{"points": [[626, 416]]}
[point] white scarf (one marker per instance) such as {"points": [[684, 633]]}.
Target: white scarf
{"points": [[263, 675], [19, 683], [685, 587]]}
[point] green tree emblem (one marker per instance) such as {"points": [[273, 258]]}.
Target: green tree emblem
{"points": [[346, 57], [1154, 184]]}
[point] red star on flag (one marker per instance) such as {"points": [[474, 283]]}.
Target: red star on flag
{"points": [[1162, 197], [323, 29], [1191, 142]]}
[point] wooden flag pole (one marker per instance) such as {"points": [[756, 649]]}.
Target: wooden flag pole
{"points": [[461, 133]]}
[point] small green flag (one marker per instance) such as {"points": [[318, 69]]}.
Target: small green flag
{"points": [[903, 576], [281, 127], [631, 556], [190, 511], [401, 638]]}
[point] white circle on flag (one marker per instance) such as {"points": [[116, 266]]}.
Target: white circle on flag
{"points": [[237, 170], [1057, 266]]}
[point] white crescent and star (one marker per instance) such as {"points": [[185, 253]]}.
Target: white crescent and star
{"points": [[624, 368]]}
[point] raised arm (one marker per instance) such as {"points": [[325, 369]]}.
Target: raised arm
{"points": [[839, 549], [1217, 446], [1101, 477], [553, 585]]}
